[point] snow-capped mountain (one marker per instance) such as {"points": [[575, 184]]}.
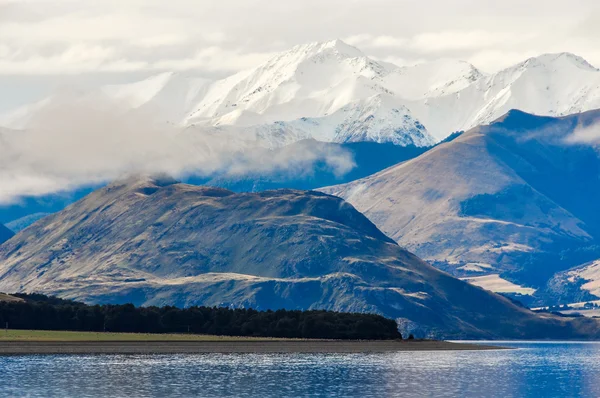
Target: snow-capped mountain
{"points": [[380, 118], [308, 81], [548, 85], [169, 96], [320, 79], [328, 91], [333, 92]]}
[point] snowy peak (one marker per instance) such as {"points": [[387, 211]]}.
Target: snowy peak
{"points": [[328, 83], [557, 61], [380, 118], [336, 46], [311, 80]]}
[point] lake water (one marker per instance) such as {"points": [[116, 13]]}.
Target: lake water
{"points": [[533, 370]]}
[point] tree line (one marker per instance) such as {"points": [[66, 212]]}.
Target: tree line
{"points": [[39, 312]]}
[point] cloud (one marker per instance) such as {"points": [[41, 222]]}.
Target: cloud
{"points": [[81, 58], [214, 59], [143, 35], [586, 135], [370, 41], [80, 140], [116, 41], [453, 40]]}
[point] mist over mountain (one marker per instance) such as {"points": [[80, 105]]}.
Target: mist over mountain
{"points": [[514, 201], [182, 123], [300, 172]]}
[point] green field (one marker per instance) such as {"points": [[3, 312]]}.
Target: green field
{"points": [[51, 335]]}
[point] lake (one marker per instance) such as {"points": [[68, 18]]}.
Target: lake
{"points": [[540, 369]]}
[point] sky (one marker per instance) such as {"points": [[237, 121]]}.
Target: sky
{"points": [[45, 43], [49, 44]]}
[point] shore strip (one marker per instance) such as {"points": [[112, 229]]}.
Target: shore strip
{"points": [[229, 347]]}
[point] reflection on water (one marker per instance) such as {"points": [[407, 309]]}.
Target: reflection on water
{"points": [[534, 370]]}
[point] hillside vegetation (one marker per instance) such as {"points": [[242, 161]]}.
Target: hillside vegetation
{"points": [[39, 312]]}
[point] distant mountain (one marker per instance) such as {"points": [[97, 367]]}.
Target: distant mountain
{"points": [[25, 210], [575, 285], [514, 201], [548, 85], [5, 234], [154, 241], [327, 91], [168, 95], [333, 92], [23, 222]]}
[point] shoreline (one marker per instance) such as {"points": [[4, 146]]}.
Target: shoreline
{"points": [[230, 347]]}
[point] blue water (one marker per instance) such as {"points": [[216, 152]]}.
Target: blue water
{"points": [[533, 370]]}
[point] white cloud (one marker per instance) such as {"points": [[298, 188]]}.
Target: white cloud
{"points": [[153, 32], [453, 40], [384, 41], [51, 40], [78, 140], [214, 59], [586, 135]]}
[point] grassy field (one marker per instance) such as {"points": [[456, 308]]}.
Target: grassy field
{"points": [[51, 335], [6, 297]]}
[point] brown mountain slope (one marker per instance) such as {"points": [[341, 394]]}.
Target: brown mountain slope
{"points": [[156, 242], [516, 198]]}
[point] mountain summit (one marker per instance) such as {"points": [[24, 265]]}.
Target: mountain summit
{"points": [[513, 200], [320, 81]]}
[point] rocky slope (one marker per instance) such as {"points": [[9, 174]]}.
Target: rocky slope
{"points": [[155, 241], [515, 199]]}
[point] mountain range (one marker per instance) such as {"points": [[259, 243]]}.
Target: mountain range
{"points": [[506, 204], [333, 92], [444, 168], [154, 241]]}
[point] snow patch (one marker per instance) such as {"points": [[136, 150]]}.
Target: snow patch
{"points": [[496, 284]]}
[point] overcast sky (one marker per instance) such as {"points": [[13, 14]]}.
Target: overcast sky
{"points": [[45, 44], [115, 39]]}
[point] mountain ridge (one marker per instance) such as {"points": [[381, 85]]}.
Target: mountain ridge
{"points": [[157, 242], [316, 80], [512, 198]]}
